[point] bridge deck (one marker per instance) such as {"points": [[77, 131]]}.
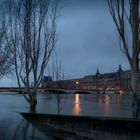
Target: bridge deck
{"points": [[17, 89]]}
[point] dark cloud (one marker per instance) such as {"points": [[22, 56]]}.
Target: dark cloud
{"points": [[88, 39]]}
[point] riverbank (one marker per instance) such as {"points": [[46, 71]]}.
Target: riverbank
{"points": [[86, 127], [14, 127]]}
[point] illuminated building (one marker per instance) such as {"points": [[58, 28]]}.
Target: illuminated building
{"points": [[119, 80]]}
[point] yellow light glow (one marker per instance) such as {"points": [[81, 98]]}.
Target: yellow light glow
{"points": [[121, 92], [77, 107], [77, 82], [107, 104]]}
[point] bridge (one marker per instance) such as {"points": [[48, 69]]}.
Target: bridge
{"points": [[81, 91], [62, 91], [40, 89]]}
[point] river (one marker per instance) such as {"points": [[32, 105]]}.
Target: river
{"points": [[14, 127]]}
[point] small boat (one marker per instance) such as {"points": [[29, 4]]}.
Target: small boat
{"points": [[85, 127]]}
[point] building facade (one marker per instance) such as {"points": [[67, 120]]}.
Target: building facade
{"points": [[119, 80]]}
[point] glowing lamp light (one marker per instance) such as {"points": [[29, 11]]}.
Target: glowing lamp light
{"points": [[77, 82]]}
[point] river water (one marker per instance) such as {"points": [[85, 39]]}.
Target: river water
{"points": [[14, 127]]}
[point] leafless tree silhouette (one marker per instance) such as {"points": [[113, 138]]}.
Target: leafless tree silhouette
{"points": [[6, 59], [31, 38], [125, 14], [57, 74]]}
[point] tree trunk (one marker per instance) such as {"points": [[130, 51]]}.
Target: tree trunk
{"points": [[33, 104], [135, 58], [120, 16], [58, 104], [135, 93]]}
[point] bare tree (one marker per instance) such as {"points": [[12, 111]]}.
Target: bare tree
{"points": [[5, 55], [125, 14], [57, 74], [31, 39], [57, 69]]}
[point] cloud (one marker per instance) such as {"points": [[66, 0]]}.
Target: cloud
{"points": [[88, 39]]}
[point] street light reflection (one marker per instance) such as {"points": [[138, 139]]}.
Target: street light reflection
{"points": [[77, 107], [107, 104]]}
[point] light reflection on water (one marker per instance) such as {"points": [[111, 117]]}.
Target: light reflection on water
{"points": [[113, 105], [13, 125], [77, 107], [107, 104]]}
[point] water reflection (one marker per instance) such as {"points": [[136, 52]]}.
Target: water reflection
{"points": [[77, 107], [107, 104], [26, 131], [74, 104], [99, 100]]}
